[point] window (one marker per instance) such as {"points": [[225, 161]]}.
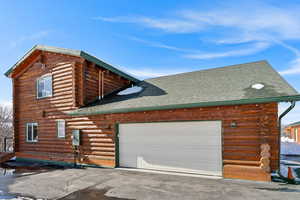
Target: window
{"points": [[44, 86], [296, 135], [31, 132], [61, 128]]}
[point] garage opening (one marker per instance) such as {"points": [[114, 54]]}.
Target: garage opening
{"points": [[187, 147]]}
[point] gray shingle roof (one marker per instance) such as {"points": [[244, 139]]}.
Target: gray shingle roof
{"points": [[219, 86]]}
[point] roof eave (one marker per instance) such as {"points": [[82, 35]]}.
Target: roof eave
{"points": [[7, 73], [191, 105], [293, 124], [107, 66], [10, 70]]}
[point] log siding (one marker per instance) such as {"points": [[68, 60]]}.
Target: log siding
{"points": [[99, 82], [75, 83]]}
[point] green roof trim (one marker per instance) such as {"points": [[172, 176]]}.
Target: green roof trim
{"points": [[9, 71], [72, 52], [294, 124], [192, 105]]}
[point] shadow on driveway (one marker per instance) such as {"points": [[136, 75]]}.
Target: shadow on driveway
{"points": [[91, 194], [285, 189]]}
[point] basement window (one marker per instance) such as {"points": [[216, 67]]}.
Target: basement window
{"points": [[31, 132], [61, 128], [44, 86]]}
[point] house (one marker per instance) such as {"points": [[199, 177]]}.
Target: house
{"points": [[293, 131], [71, 107]]}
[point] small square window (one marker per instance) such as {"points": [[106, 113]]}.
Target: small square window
{"points": [[44, 86], [31, 132], [61, 128]]}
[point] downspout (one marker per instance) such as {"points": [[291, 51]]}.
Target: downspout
{"points": [[293, 103], [102, 84]]}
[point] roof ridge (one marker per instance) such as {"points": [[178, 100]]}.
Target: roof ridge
{"points": [[210, 69], [41, 46], [77, 53]]}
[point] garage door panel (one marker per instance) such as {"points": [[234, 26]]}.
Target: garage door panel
{"points": [[177, 146], [163, 139], [171, 161]]}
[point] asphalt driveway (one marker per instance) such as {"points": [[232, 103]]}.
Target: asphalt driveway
{"points": [[115, 184]]}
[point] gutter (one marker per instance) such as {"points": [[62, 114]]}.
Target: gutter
{"points": [[293, 103], [94, 110]]}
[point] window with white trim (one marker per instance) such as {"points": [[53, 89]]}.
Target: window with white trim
{"points": [[31, 132], [61, 128], [44, 86], [296, 135]]}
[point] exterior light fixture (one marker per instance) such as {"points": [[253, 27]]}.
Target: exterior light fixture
{"points": [[233, 124]]}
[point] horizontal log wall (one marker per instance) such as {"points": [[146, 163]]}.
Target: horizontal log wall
{"points": [[109, 82], [45, 112], [91, 83], [75, 83], [112, 83]]}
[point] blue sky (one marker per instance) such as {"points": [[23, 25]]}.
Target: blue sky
{"points": [[153, 38]]}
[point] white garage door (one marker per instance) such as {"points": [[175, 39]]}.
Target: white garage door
{"points": [[190, 147]]}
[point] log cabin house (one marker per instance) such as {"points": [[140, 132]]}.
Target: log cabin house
{"points": [[292, 131], [71, 107]]}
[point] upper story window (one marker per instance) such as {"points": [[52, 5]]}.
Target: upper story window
{"points": [[44, 86]]}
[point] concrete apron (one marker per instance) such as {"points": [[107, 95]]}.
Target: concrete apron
{"points": [[170, 173]]}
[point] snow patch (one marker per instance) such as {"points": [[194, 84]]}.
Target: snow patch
{"points": [[132, 90], [286, 139], [290, 148], [258, 86]]}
